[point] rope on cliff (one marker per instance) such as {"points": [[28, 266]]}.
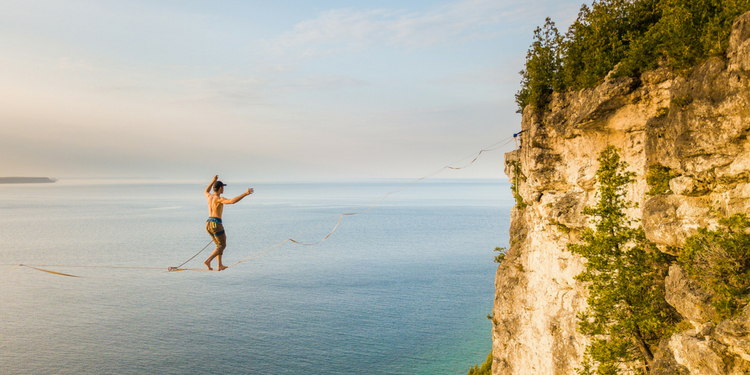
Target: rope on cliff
{"points": [[366, 207]]}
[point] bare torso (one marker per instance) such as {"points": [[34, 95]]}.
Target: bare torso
{"points": [[215, 205], [216, 202]]}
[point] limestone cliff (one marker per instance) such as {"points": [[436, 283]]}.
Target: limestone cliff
{"points": [[696, 125]]}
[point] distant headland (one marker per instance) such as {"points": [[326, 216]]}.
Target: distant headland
{"points": [[27, 180]]}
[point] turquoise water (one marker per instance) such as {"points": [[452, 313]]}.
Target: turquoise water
{"points": [[402, 289]]}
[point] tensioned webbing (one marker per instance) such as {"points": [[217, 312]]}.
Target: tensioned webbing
{"points": [[377, 201], [191, 258], [52, 272], [338, 220], [168, 269], [39, 268], [11, 269]]}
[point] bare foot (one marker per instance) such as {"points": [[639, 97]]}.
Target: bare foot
{"points": [[222, 268], [208, 265]]}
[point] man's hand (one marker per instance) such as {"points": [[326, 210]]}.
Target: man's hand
{"points": [[249, 191], [208, 189]]}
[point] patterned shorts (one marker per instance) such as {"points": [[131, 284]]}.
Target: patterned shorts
{"points": [[216, 230]]}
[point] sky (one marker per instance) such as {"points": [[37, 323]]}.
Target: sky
{"points": [[261, 90]]}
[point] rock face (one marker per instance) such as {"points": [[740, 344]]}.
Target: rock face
{"points": [[695, 125]]}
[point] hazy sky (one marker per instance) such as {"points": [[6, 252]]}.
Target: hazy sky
{"points": [[261, 90]]}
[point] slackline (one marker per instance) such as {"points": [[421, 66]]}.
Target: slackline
{"points": [[293, 239]]}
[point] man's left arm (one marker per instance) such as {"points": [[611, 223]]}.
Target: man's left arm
{"points": [[239, 197]]}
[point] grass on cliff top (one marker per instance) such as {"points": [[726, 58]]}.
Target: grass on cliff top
{"points": [[636, 34]]}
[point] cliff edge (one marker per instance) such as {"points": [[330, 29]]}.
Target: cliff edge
{"points": [[697, 127]]}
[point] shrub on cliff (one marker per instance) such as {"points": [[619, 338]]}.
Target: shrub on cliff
{"points": [[657, 178], [720, 261], [627, 314], [515, 185], [501, 254], [636, 34], [485, 369]]}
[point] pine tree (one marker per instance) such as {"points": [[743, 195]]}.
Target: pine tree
{"points": [[541, 76], [624, 274]]}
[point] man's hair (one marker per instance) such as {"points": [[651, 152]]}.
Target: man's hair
{"points": [[218, 185]]}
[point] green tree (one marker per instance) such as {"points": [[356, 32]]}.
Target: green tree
{"points": [[636, 34], [598, 40], [541, 74], [627, 314], [720, 261], [684, 33]]}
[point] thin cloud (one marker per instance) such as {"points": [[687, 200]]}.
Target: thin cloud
{"points": [[501, 74], [347, 29], [225, 89], [66, 63], [326, 82], [253, 91]]}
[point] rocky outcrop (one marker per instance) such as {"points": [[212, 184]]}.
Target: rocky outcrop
{"points": [[697, 126], [26, 180], [708, 348]]}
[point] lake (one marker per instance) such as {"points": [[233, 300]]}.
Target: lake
{"points": [[404, 288]]}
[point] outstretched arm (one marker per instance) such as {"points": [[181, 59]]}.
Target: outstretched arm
{"points": [[208, 189], [239, 197]]}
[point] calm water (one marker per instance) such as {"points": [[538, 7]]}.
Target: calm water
{"points": [[402, 289]]}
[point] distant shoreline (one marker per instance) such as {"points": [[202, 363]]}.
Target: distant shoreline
{"points": [[27, 180]]}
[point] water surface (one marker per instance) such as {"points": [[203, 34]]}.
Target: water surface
{"points": [[404, 288]]}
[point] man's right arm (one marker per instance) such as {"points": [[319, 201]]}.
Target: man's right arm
{"points": [[208, 189]]}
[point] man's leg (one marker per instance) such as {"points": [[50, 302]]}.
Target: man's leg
{"points": [[221, 244], [220, 238], [216, 254], [220, 266], [208, 261], [211, 257]]}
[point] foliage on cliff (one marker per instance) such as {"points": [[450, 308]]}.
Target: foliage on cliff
{"points": [[657, 178], [720, 261], [485, 369], [501, 254], [515, 184], [636, 34], [627, 314]]}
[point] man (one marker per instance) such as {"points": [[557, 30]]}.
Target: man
{"points": [[214, 227]]}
